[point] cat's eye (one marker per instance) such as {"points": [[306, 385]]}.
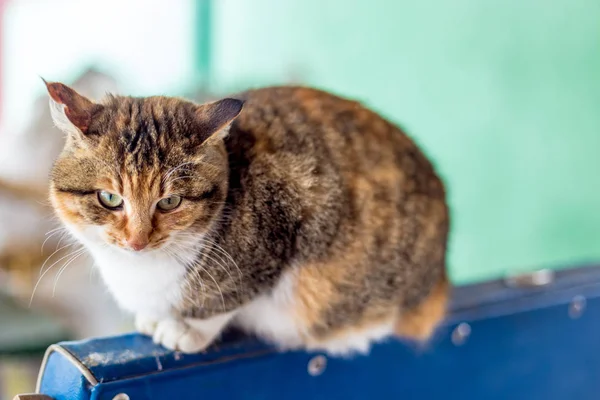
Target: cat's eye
{"points": [[110, 200], [169, 203]]}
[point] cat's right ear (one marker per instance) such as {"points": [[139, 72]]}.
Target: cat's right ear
{"points": [[213, 119], [72, 113]]}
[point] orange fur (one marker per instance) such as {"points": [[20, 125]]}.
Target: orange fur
{"points": [[421, 321], [315, 290]]}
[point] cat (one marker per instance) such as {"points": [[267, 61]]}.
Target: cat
{"points": [[294, 214]]}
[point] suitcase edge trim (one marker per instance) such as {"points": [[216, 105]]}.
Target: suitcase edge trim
{"points": [[55, 348]]}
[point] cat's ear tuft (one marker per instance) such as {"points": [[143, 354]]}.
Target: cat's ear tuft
{"points": [[72, 113], [215, 118]]}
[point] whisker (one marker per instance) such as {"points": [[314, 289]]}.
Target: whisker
{"points": [[222, 266], [51, 231], [63, 269], [51, 255], [216, 246], [62, 237], [90, 273], [173, 170], [216, 284], [195, 276], [170, 182], [44, 274], [50, 234], [44, 203]]}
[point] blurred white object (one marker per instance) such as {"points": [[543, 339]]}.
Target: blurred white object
{"points": [[148, 44], [26, 155]]}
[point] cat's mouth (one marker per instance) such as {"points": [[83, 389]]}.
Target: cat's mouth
{"points": [[170, 244], [130, 250]]}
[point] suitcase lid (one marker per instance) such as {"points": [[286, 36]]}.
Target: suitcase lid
{"points": [[113, 358]]}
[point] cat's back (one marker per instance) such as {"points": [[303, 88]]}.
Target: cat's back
{"points": [[348, 171], [303, 125], [296, 113]]}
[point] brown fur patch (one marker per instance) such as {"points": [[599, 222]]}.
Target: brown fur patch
{"points": [[315, 290], [421, 321]]}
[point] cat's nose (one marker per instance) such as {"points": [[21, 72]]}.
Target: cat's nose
{"points": [[137, 244]]}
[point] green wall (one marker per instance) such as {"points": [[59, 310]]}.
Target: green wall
{"points": [[503, 95]]}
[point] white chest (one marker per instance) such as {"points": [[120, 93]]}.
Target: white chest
{"points": [[147, 284]]}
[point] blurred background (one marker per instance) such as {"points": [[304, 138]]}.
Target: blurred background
{"points": [[503, 95]]}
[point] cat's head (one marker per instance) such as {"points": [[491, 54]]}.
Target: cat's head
{"points": [[139, 173]]}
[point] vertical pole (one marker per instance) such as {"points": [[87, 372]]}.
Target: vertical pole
{"points": [[203, 42]]}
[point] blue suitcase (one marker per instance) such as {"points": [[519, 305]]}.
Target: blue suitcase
{"points": [[534, 337]]}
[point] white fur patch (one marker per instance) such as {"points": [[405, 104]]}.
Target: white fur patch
{"points": [[358, 342], [60, 119], [271, 318], [141, 283], [147, 283]]}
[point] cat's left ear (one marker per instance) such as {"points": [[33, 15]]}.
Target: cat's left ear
{"points": [[215, 118], [72, 113]]}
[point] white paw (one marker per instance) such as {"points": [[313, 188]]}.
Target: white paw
{"points": [[145, 325], [177, 335]]}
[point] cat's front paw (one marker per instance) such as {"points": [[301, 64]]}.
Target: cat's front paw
{"points": [[177, 335], [145, 325]]}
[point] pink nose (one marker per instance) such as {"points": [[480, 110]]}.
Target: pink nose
{"points": [[137, 244]]}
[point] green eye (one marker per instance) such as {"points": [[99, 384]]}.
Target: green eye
{"points": [[109, 200], [169, 203]]}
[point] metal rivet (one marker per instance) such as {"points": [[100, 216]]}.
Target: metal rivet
{"points": [[121, 396], [542, 277], [577, 307], [317, 365], [461, 333]]}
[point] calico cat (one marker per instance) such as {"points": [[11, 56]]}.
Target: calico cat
{"points": [[299, 216]]}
